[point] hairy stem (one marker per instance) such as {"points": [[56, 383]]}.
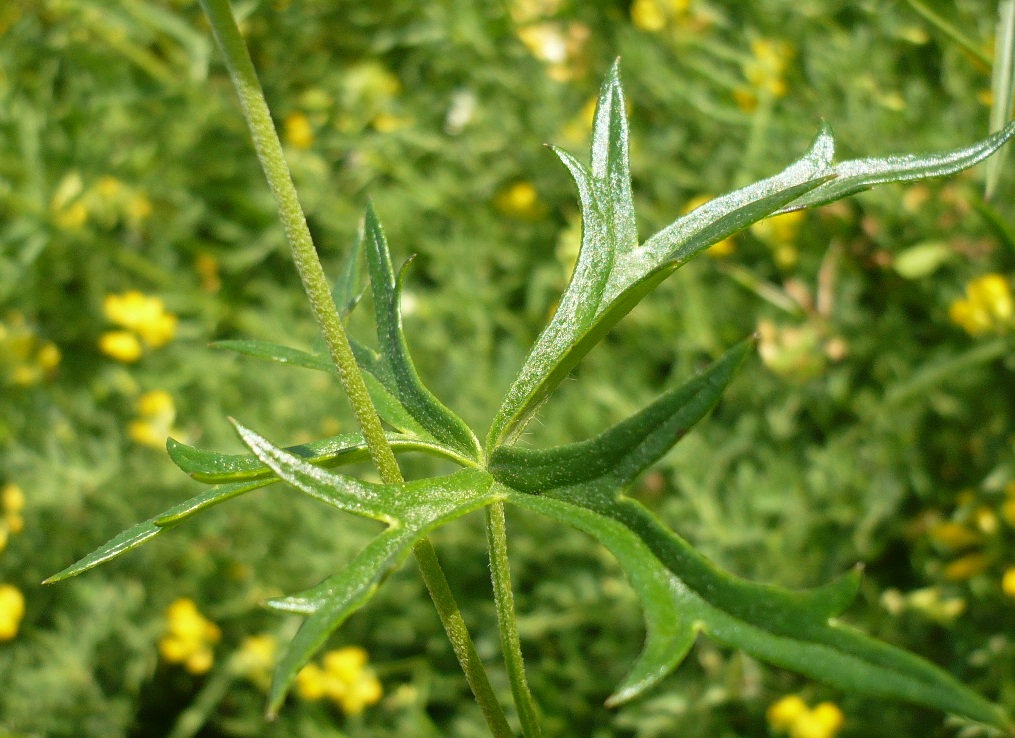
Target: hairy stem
{"points": [[500, 572], [315, 284], [465, 650], [269, 152]]}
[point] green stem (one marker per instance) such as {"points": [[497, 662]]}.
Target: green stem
{"points": [[315, 284], [465, 650], [500, 573]]}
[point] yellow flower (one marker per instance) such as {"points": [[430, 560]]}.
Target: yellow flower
{"points": [[345, 680], [156, 413], [988, 306], [12, 501], [520, 200], [190, 636], [146, 316], [311, 683], [1008, 581], [823, 721], [48, 356], [655, 15], [782, 714], [120, 345], [12, 610], [791, 715], [297, 131], [142, 317]]}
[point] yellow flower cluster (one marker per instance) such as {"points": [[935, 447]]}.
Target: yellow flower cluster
{"points": [[765, 70], [987, 307], [12, 610], [108, 202], [255, 658], [25, 359], [345, 679], [792, 716], [190, 637], [12, 502], [156, 413], [1008, 581], [144, 322]]}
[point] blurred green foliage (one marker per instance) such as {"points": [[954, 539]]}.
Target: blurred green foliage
{"points": [[876, 430]]}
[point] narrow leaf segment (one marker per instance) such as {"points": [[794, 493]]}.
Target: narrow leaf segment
{"points": [[395, 369]]}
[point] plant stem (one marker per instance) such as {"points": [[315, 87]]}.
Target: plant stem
{"points": [[500, 573], [315, 284], [451, 616]]}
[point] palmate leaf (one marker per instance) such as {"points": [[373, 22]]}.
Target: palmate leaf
{"points": [[613, 273], [410, 510], [683, 593]]}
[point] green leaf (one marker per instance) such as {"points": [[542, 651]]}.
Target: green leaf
{"points": [[387, 405], [274, 352], [411, 511], [612, 273], [762, 621], [143, 532], [682, 592], [347, 290], [347, 448], [614, 458], [346, 493], [399, 374], [858, 175]]}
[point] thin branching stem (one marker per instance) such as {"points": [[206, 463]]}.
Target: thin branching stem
{"points": [[500, 571], [270, 154]]}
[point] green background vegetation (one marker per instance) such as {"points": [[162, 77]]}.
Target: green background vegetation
{"points": [[437, 110]]}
